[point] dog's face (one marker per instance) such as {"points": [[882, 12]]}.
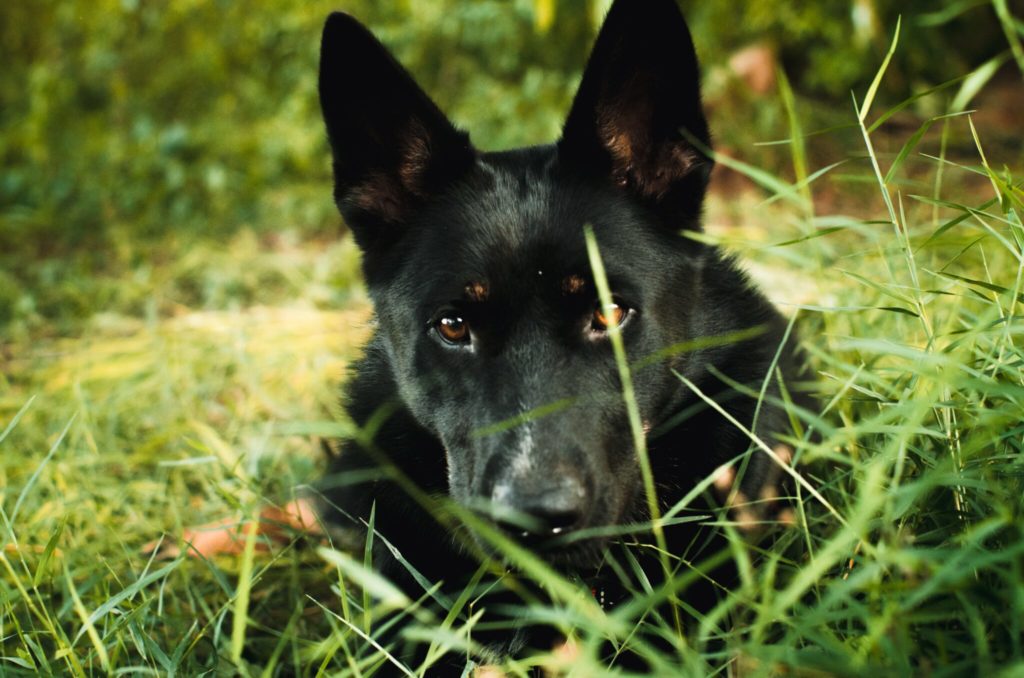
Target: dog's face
{"points": [[477, 265]]}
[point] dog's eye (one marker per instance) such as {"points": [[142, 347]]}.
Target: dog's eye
{"points": [[600, 322], [453, 329]]}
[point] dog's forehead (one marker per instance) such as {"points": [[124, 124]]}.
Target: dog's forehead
{"points": [[514, 198], [517, 225], [521, 207], [503, 217]]}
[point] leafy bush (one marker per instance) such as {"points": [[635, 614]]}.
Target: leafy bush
{"points": [[122, 119]]}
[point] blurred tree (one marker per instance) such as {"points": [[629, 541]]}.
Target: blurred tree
{"points": [[121, 120], [829, 47]]}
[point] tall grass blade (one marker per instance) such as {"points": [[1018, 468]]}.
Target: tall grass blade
{"points": [[1008, 22], [869, 98], [974, 83], [240, 620], [87, 625], [39, 469], [629, 397], [17, 417]]}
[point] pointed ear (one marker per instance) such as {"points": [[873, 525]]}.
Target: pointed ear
{"points": [[392, 147], [640, 90]]}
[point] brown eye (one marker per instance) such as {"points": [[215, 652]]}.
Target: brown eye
{"points": [[453, 329], [602, 322]]}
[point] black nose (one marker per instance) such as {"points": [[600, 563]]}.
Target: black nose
{"points": [[541, 509]]}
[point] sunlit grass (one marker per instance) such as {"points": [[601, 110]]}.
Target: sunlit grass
{"points": [[185, 404]]}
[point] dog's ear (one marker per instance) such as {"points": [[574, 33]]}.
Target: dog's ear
{"points": [[392, 147], [638, 110]]}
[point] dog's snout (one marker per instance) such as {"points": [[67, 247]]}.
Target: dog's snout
{"points": [[556, 505]]}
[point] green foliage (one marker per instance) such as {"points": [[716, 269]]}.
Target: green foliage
{"points": [[122, 119], [829, 47], [176, 110]]}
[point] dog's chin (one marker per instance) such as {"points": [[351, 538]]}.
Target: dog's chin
{"points": [[562, 553], [576, 557]]}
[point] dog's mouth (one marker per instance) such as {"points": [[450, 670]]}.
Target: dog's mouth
{"points": [[566, 545], [568, 553], [569, 530]]}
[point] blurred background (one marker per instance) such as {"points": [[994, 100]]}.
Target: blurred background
{"points": [[133, 132]]}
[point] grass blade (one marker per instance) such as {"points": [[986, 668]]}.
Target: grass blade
{"points": [[632, 409], [17, 417], [87, 624], [39, 469], [128, 593], [240, 621], [869, 98]]}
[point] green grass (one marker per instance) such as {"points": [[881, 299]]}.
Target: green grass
{"points": [[194, 401]]}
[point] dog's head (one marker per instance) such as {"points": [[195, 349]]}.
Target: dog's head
{"points": [[477, 265]]}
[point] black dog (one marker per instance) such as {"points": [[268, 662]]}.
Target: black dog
{"points": [[491, 378]]}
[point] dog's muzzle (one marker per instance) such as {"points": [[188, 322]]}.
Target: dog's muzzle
{"points": [[535, 509]]}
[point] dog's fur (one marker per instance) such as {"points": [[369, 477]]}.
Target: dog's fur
{"points": [[525, 415]]}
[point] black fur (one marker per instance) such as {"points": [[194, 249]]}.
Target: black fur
{"points": [[496, 240]]}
